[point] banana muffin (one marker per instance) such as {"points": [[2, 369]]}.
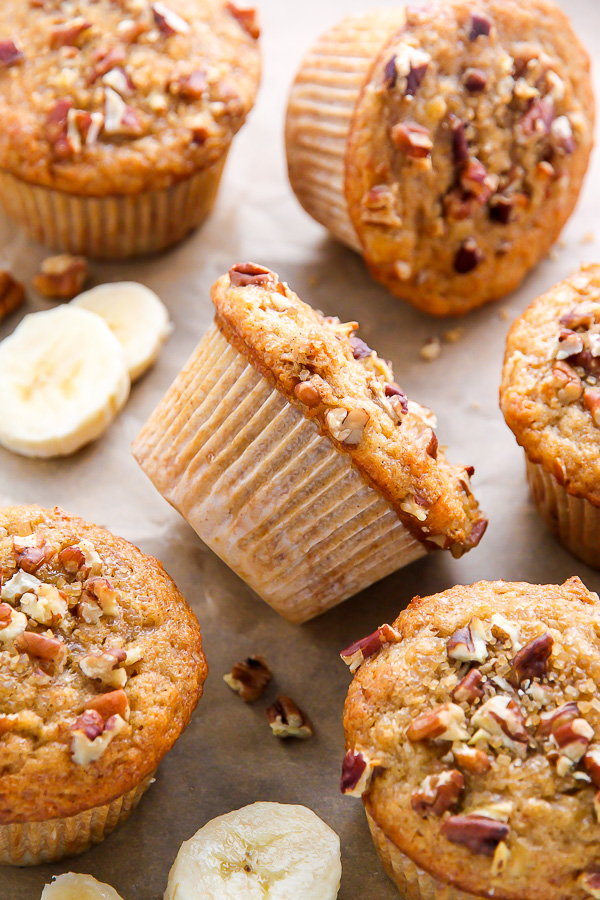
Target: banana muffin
{"points": [[291, 450], [101, 667], [445, 143], [550, 397], [117, 117], [473, 736]]}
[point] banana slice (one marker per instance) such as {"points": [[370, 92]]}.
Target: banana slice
{"points": [[266, 851], [136, 317], [78, 887], [63, 379]]}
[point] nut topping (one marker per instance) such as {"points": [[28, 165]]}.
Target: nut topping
{"points": [[550, 721], [480, 26], [42, 646], [446, 723], [119, 117], [532, 661], [90, 723], [357, 773], [481, 835], [590, 882], [438, 793], [538, 119], [470, 758], [104, 667], [567, 383], [169, 22], [247, 17], [357, 653], [12, 623], [31, 552], [56, 128], [307, 394], [468, 257], [288, 720], [62, 277], [85, 749], [360, 350], [102, 590], [347, 426], [469, 643], [569, 344], [572, 739], [47, 606], [507, 628], [19, 584], [413, 139], [500, 860], [66, 34], [591, 761], [10, 54], [407, 69], [469, 688], [115, 703], [249, 678], [190, 87], [104, 60], [12, 294], [475, 80], [502, 717], [243, 274], [591, 401]]}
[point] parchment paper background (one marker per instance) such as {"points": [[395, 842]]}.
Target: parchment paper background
{"points": [[227, 757]]}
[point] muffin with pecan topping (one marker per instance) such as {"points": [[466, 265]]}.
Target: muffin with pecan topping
{"points": [[550, 397], [473, 736], [101, 666], [117, 117], [290, 449], [445, 143]]}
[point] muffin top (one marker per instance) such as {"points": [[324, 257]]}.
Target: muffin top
{"points": [[101, 97], [473, 727], [350, 393], [550, 393], [101, 665], [468, 148]]}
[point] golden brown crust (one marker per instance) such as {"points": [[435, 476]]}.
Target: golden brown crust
{"points": [[459, 224], [186, 92], [545, 802], [38, 777], [301, 351], [548, 402]]}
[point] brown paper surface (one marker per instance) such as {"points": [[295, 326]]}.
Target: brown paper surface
{"points": [[227, 757]]}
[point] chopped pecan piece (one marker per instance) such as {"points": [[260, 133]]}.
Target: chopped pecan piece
{"points": [[72, 559], [103, 591], [413, 139], [569, 344], [460, 145], [479, 834], [10, 54], [591, 400], [105, 667], [357, 653], [549, 721], [445, 723], [501, 209], [360, 350], [358, 770], [168, 21], [481, 26], [378, 207], [580, 316], [568, 384], [86, 750], [91, 723], [115, 703], [469, 688], [501, 716], [507, 629], [500, 860], [43, 647], [347, 426], [475, 180], [120, 117], [475, 80], [12, 294], [532, 661], [469, 643], [244, 274], [190, 87], [119, 80], [66, 34], [288, 720], [562, 132], [56, 128], [591, 761], [104, 60], [572, 739], [12, 624], [6, 612], [31, 552], [249, 678], [538, 119], [438, 793], [247, 17], [62, 277], [590, 882], [468, 257], [470, 758]]}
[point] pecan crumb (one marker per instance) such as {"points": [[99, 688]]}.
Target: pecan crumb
{"points": [[413, 139], [288, 720], [479, 834], [438, 793], [249, 678], [431, 349], [358, 770], [62, 277], [12, 294]]}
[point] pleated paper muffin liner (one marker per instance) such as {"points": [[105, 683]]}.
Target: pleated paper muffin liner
{"points": [[265, 490], [574, 520], [32, 843], [112, 227], [320, 113], [412, 882]]}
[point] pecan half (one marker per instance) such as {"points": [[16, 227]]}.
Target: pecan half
{"points": [[549, 721], [288, 720], [532, 661], [42, 646], [168, 21], [115, 703], [357, 653], [470, 758], [444, 723], [481, 26], [413, 139], [469, 643], [479, 834], [438, 793], [12, 294], [469, 688], [244, 274], [249, 678], [247, 17], [347, 426], [468, 257], [62, 277], [10, 54], [358, 770]]}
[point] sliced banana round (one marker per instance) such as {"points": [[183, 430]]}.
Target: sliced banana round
{"points": [[78, 887], [63, 379], [136, 317], [266, 851]]}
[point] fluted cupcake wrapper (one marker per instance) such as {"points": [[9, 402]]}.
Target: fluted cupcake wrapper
{"points": [[574, 520], [265, 490], [32, 843], [320, 113], [412, 882], [112, 227]]}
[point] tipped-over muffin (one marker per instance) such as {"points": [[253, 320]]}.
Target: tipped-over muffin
{"points": [[446, 143], [290, 448], [117, 117], [473, 736], [550, 397], [101, 667]]}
